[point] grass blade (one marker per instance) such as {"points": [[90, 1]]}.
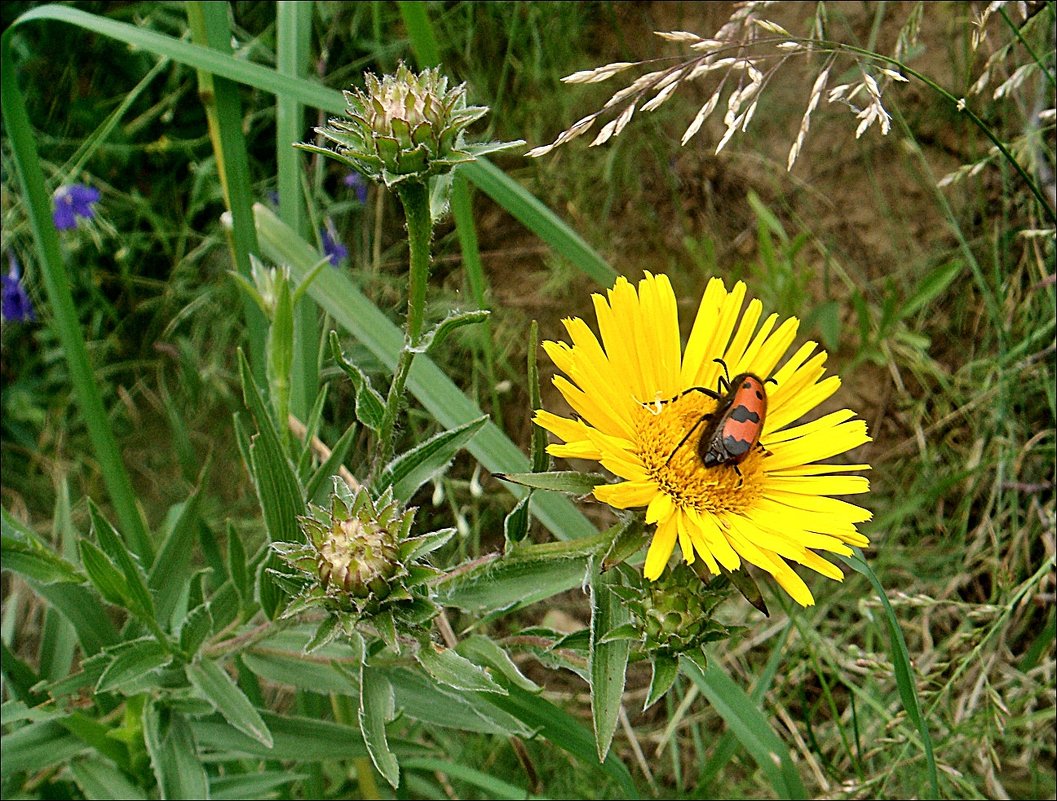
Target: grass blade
{"points": [[908, 692], [750, 726]]}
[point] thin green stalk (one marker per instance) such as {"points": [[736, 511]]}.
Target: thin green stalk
{"points": [[64, 314], [1050, 77], [210, 27], [415, 199], [293, 21]]}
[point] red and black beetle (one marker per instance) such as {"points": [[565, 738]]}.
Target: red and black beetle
{"points": [[734, 428]]}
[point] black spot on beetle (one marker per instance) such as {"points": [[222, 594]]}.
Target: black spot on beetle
{"points": [[742, 414], [735, 446]]}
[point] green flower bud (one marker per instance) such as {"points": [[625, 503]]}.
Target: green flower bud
{"points": [[356, 549], [674, 613], [404, 127]]}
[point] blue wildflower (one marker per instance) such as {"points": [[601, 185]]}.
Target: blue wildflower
{"points": [[73, 201], [332, 246], [15, 305], [355, 182]]}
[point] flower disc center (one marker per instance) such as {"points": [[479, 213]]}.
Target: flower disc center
{"points": [[672, 459]]}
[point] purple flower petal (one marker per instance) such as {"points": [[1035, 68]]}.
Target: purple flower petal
{"points": [[72, 201], [355, 182], [332, 247], [15, 304]]}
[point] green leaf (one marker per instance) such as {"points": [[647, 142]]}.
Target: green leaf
{"points": [[278, 490], [140, 601], [19, 677], [24, 553], [608, 660], [99, 779], [326, 632], [511, 582], [83, 610], [171, 570], [416, 547], [132, 661], [665, 669], [376, 709], [409, 471], [295, 671], [908, 692], [749, 725], [238, 565], [541, 460], [570, 482], [516, 524], [173, 755], [486, 650], [421, 698], [104, 574], [370, 407], [196, 628], [37, 747], [295, 738], [435, 337], [628, 540], [217, 687], [455, 670]]}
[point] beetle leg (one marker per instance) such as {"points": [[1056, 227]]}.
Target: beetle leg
{"points": [[693, 428]]}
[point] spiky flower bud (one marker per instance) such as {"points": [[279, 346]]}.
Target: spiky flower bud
{"points": [[357, 548], [674, 613], [359, 560], [404, 127]]}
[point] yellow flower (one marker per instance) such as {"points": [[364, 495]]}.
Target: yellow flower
{"points": [[778, 509]]}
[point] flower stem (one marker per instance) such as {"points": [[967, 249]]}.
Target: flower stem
{"points": [[415, 199]]}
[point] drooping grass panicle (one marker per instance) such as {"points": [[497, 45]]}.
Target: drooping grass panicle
{"points": [[742, 57]]}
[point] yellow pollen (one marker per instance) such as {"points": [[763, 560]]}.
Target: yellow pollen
{"points": [[659, 428]]}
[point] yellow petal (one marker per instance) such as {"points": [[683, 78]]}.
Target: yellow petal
{"points": [[711, 538], [626, 494], [660, 549], [660, 508]]}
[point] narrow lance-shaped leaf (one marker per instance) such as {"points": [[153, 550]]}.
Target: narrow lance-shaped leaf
{"points": [[370, 407], [214, 685], [132, 661], [140, 602], [409, 471], [173, 755], [24, 553], [377, 709], [570, 482], [608, 659], [448, 667]]}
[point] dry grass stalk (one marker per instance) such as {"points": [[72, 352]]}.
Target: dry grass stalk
{"points": [[743, 56]]}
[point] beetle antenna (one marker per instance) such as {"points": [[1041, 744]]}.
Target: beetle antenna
{"points": [[725, 371]]}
